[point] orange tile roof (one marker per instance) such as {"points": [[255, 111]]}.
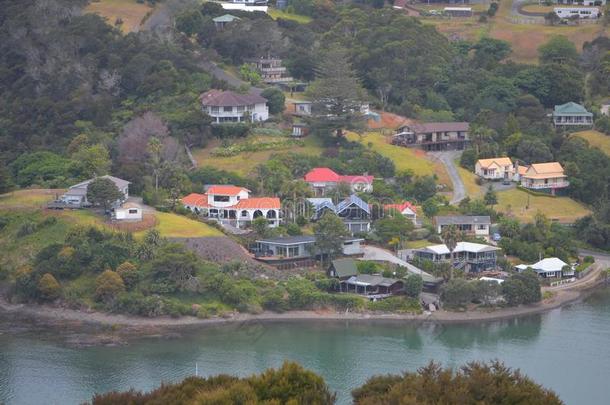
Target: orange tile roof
{"points": [[400, 207], [500, 161], [226, 190], [547, 168], [259, 203], [195, 200]]}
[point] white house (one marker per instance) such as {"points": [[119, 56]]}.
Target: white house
{"points": [[473, 225], [577, 12], [233, 205], [548, 268], [472, 257], [583, 2], [545, 177], [227, 106], [571, 114], [406, 209], [129, 211], [500, 168], [77, 194]]}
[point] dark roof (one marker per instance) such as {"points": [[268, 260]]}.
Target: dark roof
{"points": [[439, 127], [289, 240], [462, 219], [227, 98], [372, 280], [353, 200], [345, 267]]}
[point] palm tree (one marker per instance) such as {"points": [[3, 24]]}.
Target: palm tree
{"points": [[298, 190], [451, 236]]}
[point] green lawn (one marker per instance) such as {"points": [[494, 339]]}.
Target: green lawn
{"points": [[26, 199], [275, 14], [177, 226], [473, 190], [596, 139], [562, 209], [244, 163], [130, 11]]}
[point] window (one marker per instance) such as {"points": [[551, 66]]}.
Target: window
{"points": [[227, 109], [215, 110], [221, 198], [244, 213], [133, 211], [240, 109]]}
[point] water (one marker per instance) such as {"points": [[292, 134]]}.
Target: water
{"points": [[567, 350]]}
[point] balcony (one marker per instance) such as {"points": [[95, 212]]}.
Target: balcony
{"points": [[543, 186]]}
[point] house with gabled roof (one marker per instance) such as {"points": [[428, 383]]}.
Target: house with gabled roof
{"points": [[226, 106], [547, 177], [433, 136], [571, 114], [471, 257], [355, 212], [498, 168], [406, 209], [234, 206], [76, 195], [472, 225], [549, 267], [323, 179]]}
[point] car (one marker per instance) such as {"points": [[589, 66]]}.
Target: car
{"points": [[506, 182], [496, 237]]}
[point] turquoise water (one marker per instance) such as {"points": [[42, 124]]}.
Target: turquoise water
{"points": [[567, 350]]}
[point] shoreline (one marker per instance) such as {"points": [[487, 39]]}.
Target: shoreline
{"points": [[56, 316]]}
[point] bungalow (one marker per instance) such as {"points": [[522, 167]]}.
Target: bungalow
{"points": [[406, 209], [571, 114], [343, 269], [297, 247], [323, 179], [548, 268], [371, 285], [545, 177], [271, 69], [433, 136], [473, 225], [233, 205], [500, 168], [355, 213], [222, 21], [129, 211], [472, 257], [577, 12], [227, 106], [76, 196]]}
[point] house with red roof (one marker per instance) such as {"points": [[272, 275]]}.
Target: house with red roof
{"points": [[323, 179], [406, 209], [226, 106], [233, 205]]}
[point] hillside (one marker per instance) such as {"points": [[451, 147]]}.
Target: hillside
{"points": [[596, 139], [130, 13]]}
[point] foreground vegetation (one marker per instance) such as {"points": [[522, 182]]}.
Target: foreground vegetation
{"points": [[476, 383]]}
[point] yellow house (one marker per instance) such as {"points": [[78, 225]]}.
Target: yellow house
{"points": [[498, 168], [545, 176]]}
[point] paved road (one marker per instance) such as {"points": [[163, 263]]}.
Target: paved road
{"points": [[448, 159], [378, 254]]}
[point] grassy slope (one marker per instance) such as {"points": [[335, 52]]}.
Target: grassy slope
{"points": [[596, 139], [130, 11], [275, 14], [524, 38], [403, 158], [562, 209], [244, 163]]}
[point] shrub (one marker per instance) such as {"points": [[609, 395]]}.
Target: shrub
{"points": [[395, 304], [108, 286], [414, 285], [26, 228], [25, 282], [129, 274], [230, 130], [48, 288], [367, 267], [457, 293]]}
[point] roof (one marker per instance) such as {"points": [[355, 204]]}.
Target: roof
{"points": [[460, 247], [549, 264], [355, 200], [195, 200], [228, 98], [322, 174], [120, 183], [225, 18], [131, 205], [463, 219], [522, 169], [500, 161], [289, 240], [571, 108], [458, 9], [326, 175], [345, 267], [259, 203], [371, 280], [439, 127], [400, 207], [545, 170], [226, 190]]}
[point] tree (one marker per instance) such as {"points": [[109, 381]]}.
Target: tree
{"points": [[430, 207], [457, 293], [486, 291], [522, 288], [129, 274], [451, 235], [336, 93], [275, 99], [108, 286], [491, 197], [488, 52], [48, 288], [396, 226], [102, 191], [174, 269], [92, 160], [329, 232], [413, 285], [475, 383], [558, 50], [260, 225]]}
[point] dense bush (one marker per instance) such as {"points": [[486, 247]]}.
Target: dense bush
{"points": [[523, 288], [457, 293]]}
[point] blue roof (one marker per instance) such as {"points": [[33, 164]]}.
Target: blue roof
{"points": [[321, 203], [353, 200]]}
